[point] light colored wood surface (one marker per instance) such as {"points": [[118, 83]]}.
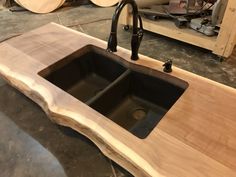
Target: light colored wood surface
{"points": [[225, 41], [196, 138], [105, 3], [168, 28], [42, 6], [62, 2], [221, 45]]}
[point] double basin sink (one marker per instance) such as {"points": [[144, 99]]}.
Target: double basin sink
{"points": [[122, 92]]}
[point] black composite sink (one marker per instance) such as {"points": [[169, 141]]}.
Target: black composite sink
{"points": [[138, 102], [132, 99]]}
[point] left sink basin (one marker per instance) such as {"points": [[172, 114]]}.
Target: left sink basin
{"points": [[84, 73]]}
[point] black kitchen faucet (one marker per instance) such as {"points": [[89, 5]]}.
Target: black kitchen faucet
{"points": [[137, 33]]}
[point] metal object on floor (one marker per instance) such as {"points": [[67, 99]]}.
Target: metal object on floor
{"points": [[208, 24], [181, 22], [195, 14], [218, 12], [203, 26]]}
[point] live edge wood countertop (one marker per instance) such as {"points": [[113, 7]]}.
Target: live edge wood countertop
{"points": [[196, 138]]}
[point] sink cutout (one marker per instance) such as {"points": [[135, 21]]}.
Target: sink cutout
{"points": [[132, 99], [138, 102]]}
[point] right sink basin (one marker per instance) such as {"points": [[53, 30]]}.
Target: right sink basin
{"points": [[137, 102], [130, 98]]}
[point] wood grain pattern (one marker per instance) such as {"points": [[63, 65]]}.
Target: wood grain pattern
{"points": [[225, 40], [105, 3], [196, 138], [42, 6]]}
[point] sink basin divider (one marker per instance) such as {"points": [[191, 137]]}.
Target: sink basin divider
{"points": [[114, 83]]}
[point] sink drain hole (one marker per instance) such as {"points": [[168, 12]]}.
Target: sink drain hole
{"points": [[138, 113]]}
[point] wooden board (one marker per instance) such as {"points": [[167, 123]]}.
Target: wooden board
{"points": [[42, 6], [62, 2], [168, 28], [105, 3], [196, 138], [225, 40]]}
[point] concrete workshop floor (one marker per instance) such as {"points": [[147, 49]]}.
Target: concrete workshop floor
{"points": [[31, 145]]}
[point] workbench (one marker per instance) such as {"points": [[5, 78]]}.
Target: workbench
{"points": [[221, 45], [197, 137]]}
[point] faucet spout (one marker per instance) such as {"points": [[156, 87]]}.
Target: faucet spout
{"points": [[137, 33]]}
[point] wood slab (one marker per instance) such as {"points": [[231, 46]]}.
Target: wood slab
{"points": [[42, 6], [105, 3], [196, 138], [62, 2]]}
